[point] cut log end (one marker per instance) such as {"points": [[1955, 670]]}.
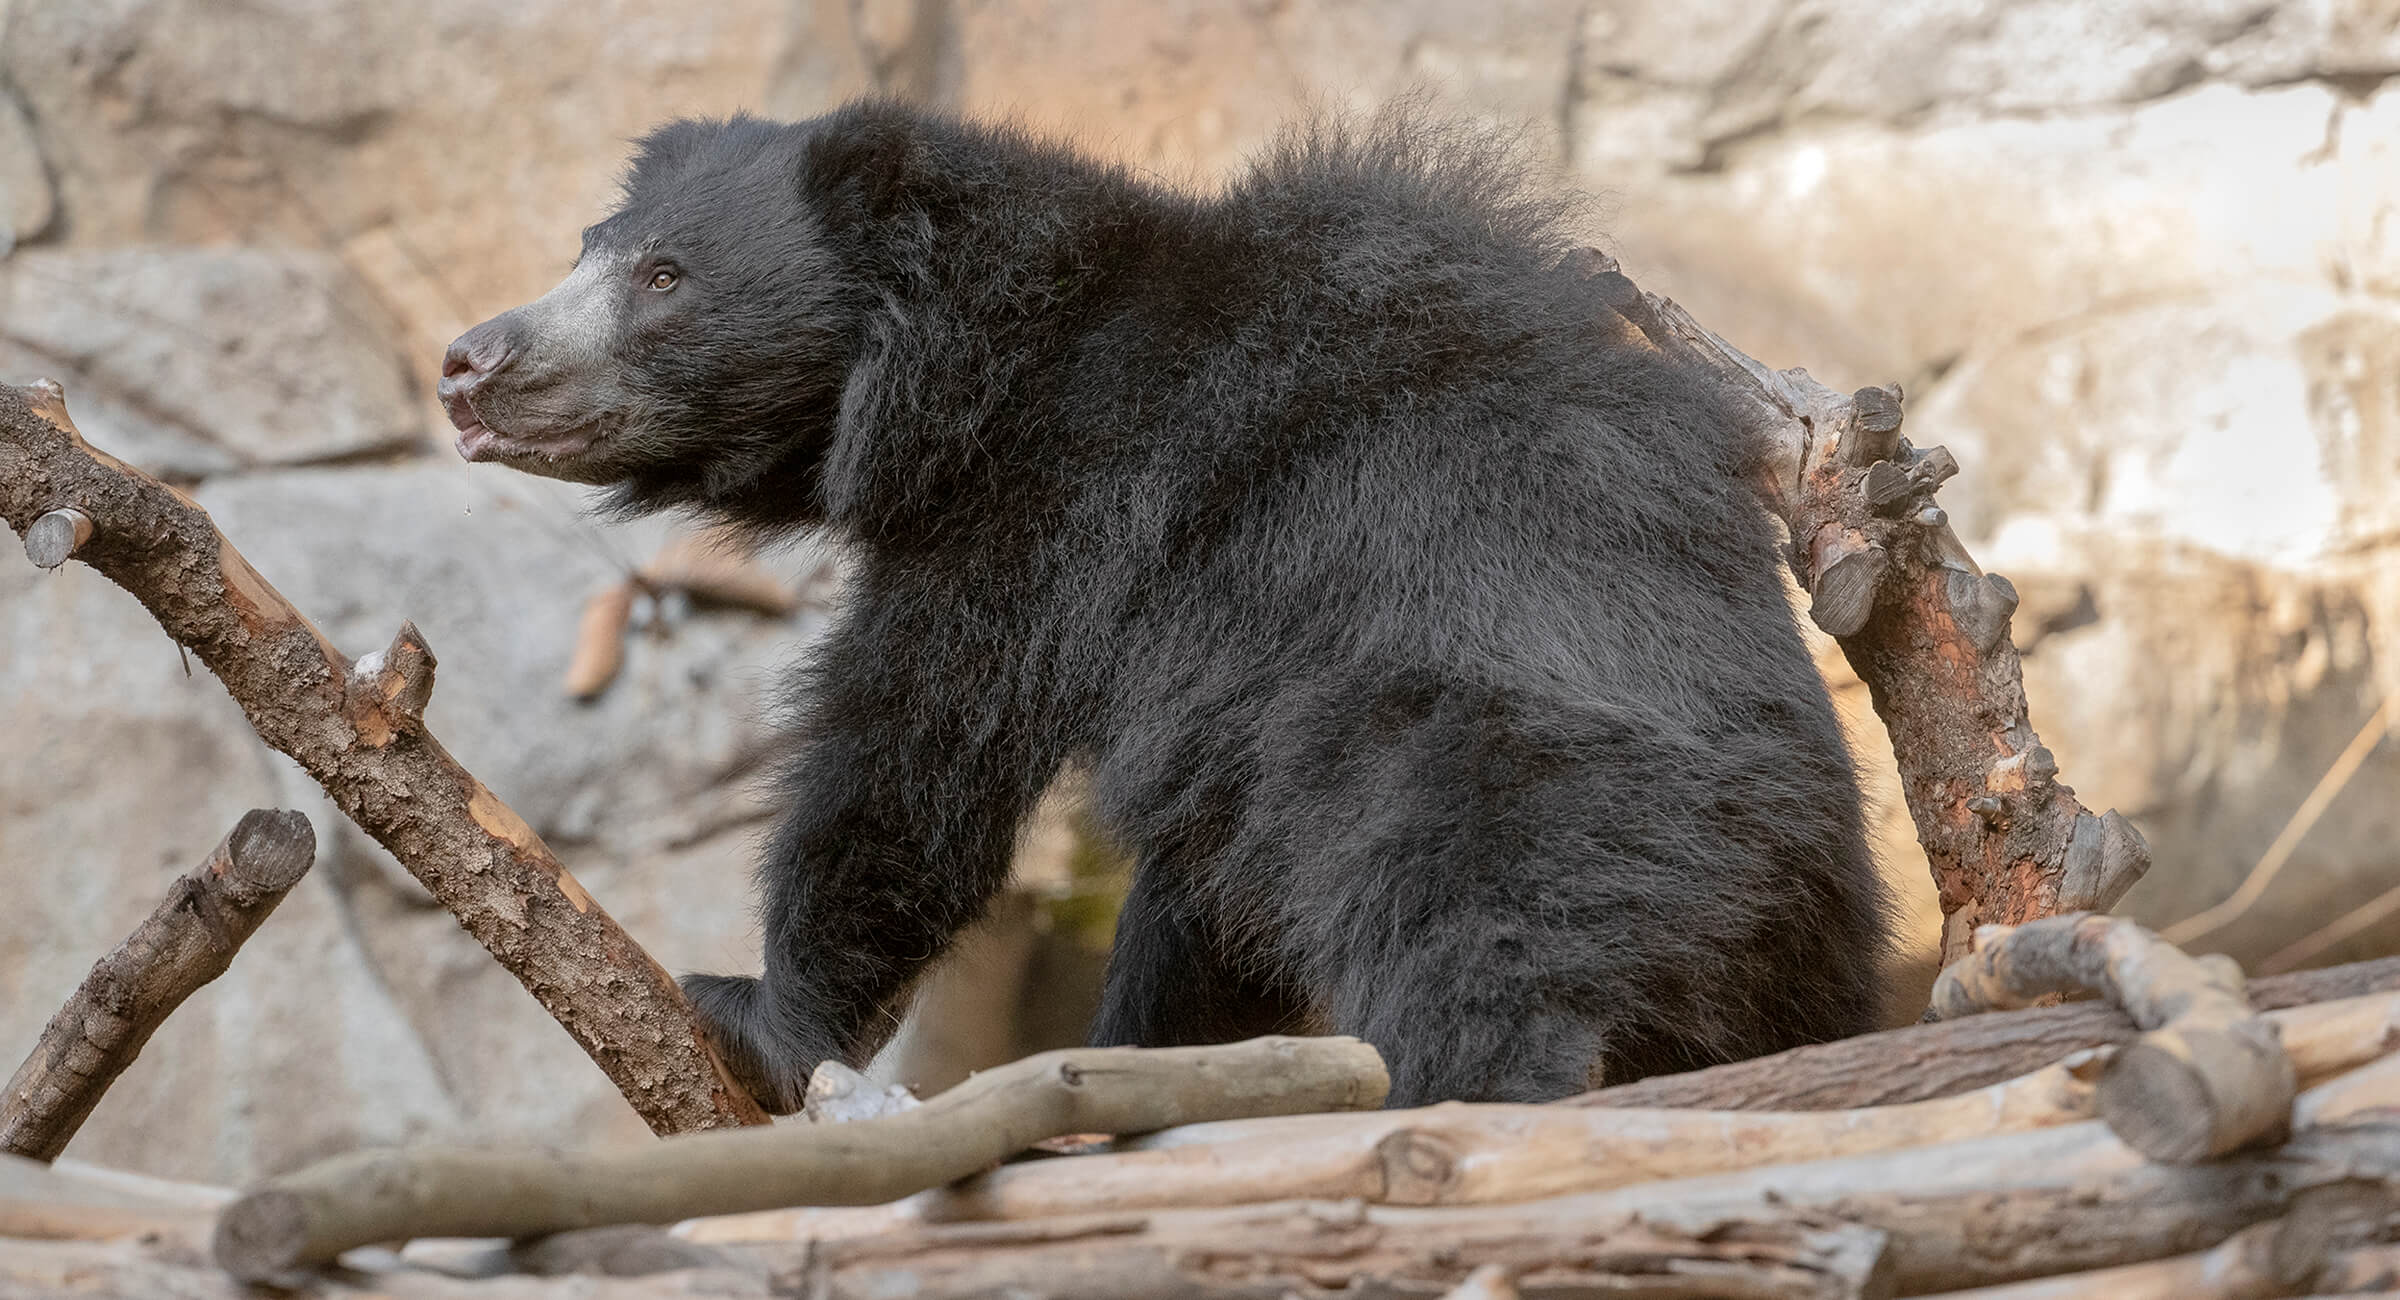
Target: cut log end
{"points": [[1981, 605], [262, 1237], [1873, 432], [2181, 1098], [268, 851], [55, 537], [1848, 575]]}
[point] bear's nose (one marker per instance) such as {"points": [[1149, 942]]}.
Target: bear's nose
{"points": [[475, 354]]}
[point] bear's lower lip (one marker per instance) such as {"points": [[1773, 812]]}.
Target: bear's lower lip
{"points": [[480, 442], [476, 442]]}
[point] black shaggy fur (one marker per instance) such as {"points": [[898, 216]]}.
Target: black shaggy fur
{"points": [[1427, 649]]}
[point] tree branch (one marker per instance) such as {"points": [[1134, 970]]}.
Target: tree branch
{"points": [[1923, 627], [359, 730], [309, 1217], [188, 940]]}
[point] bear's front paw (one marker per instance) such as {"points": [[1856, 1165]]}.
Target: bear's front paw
{"points": [[734, 1012]]}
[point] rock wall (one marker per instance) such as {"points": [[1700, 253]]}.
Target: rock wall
{"points": [[2136, 261]]}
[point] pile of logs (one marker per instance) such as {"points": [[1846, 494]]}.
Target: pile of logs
{"points": [[2181, 1132]]}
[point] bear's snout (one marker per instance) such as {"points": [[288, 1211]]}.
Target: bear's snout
{"points": [[472, 358]]}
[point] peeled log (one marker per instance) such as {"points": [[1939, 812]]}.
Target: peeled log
{"points": [[309, 1217]]}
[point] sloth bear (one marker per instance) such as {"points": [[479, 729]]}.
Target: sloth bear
{"points": [[1424, 643]]}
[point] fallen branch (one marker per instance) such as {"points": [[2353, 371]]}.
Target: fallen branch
{"points": [[309, 1217], [2207, 1076], [359, 730], [188, 940], [1953, 1056], [1923, 627]]}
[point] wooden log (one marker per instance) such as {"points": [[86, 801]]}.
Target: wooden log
{"points": [[71, 1202], [1937, 1060], [372, 753], [309, 1217], [1958, 1214], [2207, 1076], [1461, 1154], [2320, 1246], [188, 940], [1457, 1154], [1923, 626], [1335, 1251]]}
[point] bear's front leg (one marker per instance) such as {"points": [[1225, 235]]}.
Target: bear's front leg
{"points": [[904, 805]]}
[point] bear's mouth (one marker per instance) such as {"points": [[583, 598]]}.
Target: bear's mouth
{"points": [[478, 441]]}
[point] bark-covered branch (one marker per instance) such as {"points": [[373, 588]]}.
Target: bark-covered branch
{"points": [[1951, 1056], [188, 940], [359, 730], [2207, 1076], [1924, 628], [308, 1217], [2321, 1247]]}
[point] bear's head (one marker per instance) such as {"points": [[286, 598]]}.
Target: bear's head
{"points": [[695, 353]]}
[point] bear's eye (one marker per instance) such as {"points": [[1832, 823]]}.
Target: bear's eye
{"points": [[662, 279]]}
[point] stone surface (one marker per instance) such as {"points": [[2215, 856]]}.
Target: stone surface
{"points": [[205, 359], [28, 202], [2135, 262]]}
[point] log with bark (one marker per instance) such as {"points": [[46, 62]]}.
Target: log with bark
{"points": [[1937, 1060], [1923, 626], [359, 729], [2322, 1245], [188, 940], [309, 1217]]}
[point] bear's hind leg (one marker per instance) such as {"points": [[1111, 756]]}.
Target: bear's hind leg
{"points": [[1172, 983], [1460, 1010]]}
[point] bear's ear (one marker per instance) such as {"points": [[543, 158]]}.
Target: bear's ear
{"points": [[862, 159]]}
